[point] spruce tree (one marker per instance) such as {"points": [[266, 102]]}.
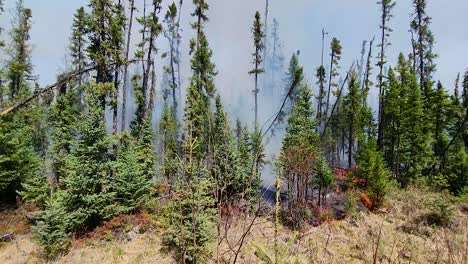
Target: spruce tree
{"points": [[416, 144], [392, 114], [19, 161], [19, 65], [167, 128], [173, 36], [423, 55], [386, 8], [78, 44], [294, 77], [335, 57], [299, 151], [354, 116], [258, 35], [63, 118]]}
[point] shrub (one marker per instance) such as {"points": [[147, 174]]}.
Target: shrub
{"points": [[52, 228], [371, 168], [441, 211]]}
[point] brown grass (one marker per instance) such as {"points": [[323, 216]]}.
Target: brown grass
{"points": [[362, 238]]}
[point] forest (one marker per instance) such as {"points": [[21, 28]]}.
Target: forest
{"points": [[116, 148]]}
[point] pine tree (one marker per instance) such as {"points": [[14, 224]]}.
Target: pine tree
{"points": [[78, 44], [201, 88], [274, 60], [19, 161], [167, 127], [354, 116], [320, 75], [294, 77], [392, 113], [423, 56], [257, 152], [63, 119], [335, 57], [386, 8], [100, 42], [19, 65], [258, 35], [299, 151], [440, 103], [132, 172], [88, 195], [371, 168], [416, 144], [117, 27], [173, 36]]}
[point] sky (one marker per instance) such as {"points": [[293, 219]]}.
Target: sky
{"points": [[301, 22]]}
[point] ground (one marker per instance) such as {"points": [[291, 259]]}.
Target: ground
{"points": [[400, 232]]}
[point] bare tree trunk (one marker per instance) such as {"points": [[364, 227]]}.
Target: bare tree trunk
{"points": [[381, 91], [329, 85], [125, 74], [153, 91]]}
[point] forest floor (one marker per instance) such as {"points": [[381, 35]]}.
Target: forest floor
{"points": [[399, 232]]}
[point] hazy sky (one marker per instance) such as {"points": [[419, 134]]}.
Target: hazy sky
{"points": [[300, 22]]}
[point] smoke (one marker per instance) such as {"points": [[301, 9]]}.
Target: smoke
{"points": [[229, 34]]}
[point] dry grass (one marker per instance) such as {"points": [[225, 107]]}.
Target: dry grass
{"points": [[391, 235]]}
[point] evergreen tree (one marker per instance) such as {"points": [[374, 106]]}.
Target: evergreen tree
{"points": [[353, 118], [371, 168], [19, 161], [201, 88], [386, 8], [423, 45], [63, 119], [294, 77], [78, 44], [258, 35], [133, 171], [394, 101], [415, 143], [167, 128], [299, 151], [257, 152], [440, 105], [100, 42], [89, 197], [335, 57], [19, 65], [173, 36]]}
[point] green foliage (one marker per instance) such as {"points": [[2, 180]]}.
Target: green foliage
{"points": [[258, 37], [19, 66], [52, 229], [167, 127], [18, 160], [191, 213], [132, 180], [62, 119], [371, 168], [325, 177], [441, 211]]}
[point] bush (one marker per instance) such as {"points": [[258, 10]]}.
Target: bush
{"points": [[371, 168], [52, 228], [441, 211], [190, 219]]}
